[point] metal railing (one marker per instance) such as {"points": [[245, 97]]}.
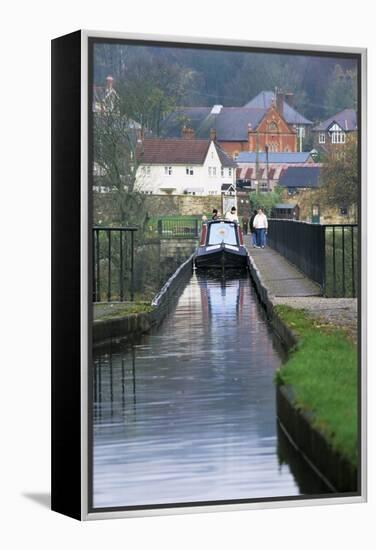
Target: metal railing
{"points": [[327, 254], [113, 263], [179, 228]]}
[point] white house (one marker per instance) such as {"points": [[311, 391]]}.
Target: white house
{"points": [[183, 166]]}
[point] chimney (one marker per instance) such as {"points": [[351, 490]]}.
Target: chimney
{"points": [[187, 133], [280, 97], [213, 134], [109, 82]]}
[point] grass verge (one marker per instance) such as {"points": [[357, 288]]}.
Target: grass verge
{"points": [[114, 310], [322, 371]]}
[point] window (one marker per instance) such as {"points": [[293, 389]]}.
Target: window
{"points": [[273, 127], [168, 170], [222, 171], [212, 171], [230, 172], [343, 211], [189, 171], [338, 137], [222, 232], [322, 137]]}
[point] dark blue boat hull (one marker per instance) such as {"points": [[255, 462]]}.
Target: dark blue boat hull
{"points": [[221, 258]]}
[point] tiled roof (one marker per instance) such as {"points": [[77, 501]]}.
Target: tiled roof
{"points": [[274, 157], [347, 119], [178, 151], [172, 151], [300, 176], [230, 124], [263, 101]]}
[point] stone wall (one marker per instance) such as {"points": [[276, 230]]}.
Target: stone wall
{"points": [[306, 198], [106, 208]]}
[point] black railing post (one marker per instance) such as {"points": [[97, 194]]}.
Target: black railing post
{"points": [[121, 281], [132, 266], [94, 284], [352, 264], [109, 266], [334, 263], [343, 263], [98, 268]]}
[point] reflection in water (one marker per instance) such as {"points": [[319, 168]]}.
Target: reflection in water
{"points": [[188, 413]]}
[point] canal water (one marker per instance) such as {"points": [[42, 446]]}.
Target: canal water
{"points": [[187, 414]]}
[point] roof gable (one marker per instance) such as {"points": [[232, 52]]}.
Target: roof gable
{"points": [[273, 115], [346, 119]]}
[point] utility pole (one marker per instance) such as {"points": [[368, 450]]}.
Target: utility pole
{"points": [[267, 164], [257, 162]]}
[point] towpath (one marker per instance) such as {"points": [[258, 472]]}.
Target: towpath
{"points": [[285, 284]]}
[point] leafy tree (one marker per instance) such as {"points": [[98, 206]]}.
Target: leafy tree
{"points": [[340, 178], [266, 201]]}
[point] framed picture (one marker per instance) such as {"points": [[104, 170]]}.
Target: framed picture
{"points": [[208, 277]]}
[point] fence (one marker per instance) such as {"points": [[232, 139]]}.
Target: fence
{"points": [[113, 263], [178, 228], [325, 253]]}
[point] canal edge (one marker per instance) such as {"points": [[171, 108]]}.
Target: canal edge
{"points": [[332, 467], [130, 326]]}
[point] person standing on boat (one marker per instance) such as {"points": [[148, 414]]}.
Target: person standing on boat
{"points": [[232, 215], [252, 229], [260, 223]]}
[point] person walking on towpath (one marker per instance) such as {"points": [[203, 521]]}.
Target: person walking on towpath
{"points": [[232, 215], [252, 229], [260, 223]]}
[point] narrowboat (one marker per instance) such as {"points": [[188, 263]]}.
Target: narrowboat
{"points": [[221, 246]]}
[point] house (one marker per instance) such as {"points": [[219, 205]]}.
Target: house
{"points": [[331, 134], [105, 98], [263, 172], [283, 101], [267, 120], [183, 166]]}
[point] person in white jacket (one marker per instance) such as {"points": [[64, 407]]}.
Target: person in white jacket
{"points": [[232, 215], [260, 223]]}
